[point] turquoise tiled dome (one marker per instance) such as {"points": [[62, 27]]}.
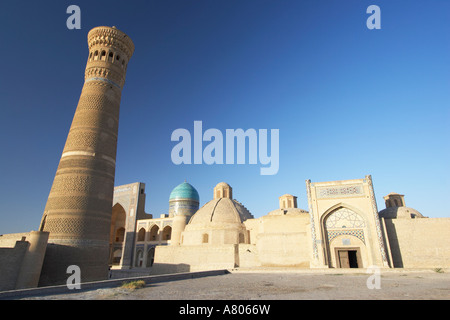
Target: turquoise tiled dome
{"points": [[184, 191]]}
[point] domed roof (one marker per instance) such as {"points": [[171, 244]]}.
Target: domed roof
{"points": [[221, 211], [288, 212], [400, 213], [184, 191]]}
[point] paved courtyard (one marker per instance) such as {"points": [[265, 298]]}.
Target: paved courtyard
{"points": [[283, 286]]}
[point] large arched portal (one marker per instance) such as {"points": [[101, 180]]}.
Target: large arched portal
{"points": [[344, 231]]}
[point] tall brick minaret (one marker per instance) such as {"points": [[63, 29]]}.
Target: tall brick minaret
{"points": [[78, 210]]}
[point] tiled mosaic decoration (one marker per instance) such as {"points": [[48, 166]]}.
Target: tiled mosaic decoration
{"points": [[344, 218], [358, 233], [339, 191]]}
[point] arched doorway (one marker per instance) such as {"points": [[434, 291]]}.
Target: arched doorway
{"points": [[150, 257], [117, 257], [344, 231], [139, 258]]}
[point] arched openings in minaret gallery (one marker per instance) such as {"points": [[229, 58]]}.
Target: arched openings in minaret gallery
{"points": [[109, 56]]}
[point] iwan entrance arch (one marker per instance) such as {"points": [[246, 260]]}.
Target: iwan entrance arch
{"points": [[343, 230], [346, 231]]}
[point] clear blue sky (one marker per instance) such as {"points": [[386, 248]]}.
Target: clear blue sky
{"points": [[348, 101]]}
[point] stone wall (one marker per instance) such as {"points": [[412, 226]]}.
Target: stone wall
{"points": [[419, 243], [170, 259], [248, 256], [21, 257], [279, 240]]}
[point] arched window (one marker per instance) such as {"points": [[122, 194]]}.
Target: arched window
{"points": [[167, 233], [110, 56], [205, 238], [96, 55], [141, 234], [103, 55], [154, 233]]}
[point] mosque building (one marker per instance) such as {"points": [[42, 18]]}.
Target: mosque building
{"points": [[342, 228]]}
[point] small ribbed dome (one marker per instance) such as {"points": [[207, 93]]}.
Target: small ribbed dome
{"points": [[223, 190], [223, 184], [184, 191]]}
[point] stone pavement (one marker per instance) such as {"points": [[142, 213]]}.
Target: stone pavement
{"points": [[284, 285]]}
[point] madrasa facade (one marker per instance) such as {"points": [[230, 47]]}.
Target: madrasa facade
{"points": [[341, 228]]}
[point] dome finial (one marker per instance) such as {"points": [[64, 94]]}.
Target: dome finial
{"points": [[223, 190]]}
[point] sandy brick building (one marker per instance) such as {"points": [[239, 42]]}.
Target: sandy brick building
{"points": [[342, 228]]}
